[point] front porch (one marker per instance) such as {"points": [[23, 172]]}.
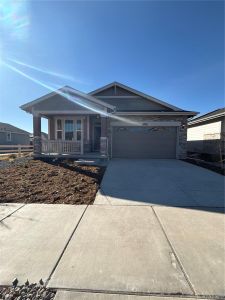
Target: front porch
{"points": [[67, 149], [72, 136]]}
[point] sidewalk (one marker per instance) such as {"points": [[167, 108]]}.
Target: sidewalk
{"points": [[108, 252]]}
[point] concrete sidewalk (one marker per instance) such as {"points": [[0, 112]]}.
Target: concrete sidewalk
{"points": [[110, 252]]}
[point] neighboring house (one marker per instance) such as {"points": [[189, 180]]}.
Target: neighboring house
{"points": [[11, 135], [112, 121], [206, 134]]}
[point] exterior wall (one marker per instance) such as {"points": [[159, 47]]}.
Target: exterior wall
{"points": [[199, 132], [16, 139], [181, 130], [89, 125], [207, 137], [131, 101], [87, 128], [134, 104], [59, 103]]}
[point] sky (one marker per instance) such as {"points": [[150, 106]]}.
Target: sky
{"points": [[172, 50]]}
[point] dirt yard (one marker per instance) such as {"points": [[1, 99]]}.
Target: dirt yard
{"points": [[36, 181]]}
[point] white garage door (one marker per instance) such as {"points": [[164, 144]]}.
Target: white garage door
{"points": [[144, 142]]}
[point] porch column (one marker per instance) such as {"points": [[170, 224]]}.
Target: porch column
{"points": [[103, 138], [37, 134]]}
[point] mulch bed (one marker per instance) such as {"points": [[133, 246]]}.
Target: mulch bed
{"points": [[63, 182], [205, 165]]}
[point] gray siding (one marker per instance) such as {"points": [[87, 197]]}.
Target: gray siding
{"points": [[16, 139], [135, 104], [132, 101], [59, 103], [112, 91]]}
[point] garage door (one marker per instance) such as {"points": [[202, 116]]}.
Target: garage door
{"points": [[144, 142]]}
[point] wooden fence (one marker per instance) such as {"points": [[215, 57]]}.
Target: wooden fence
{"points": [[15, 149]]}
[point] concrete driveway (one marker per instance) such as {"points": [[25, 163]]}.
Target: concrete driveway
{"points": [[132, 244], [160, 182]]}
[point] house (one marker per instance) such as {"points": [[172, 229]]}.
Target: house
{"points": [[206, 134], [112, 121], [44, 136], [11, 135]]}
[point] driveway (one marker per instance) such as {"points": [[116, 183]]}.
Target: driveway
{"points": [[160, 182], [136, 246]]}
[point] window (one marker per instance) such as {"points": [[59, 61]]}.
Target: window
{"points": [[69, 130], [8, 136], [78, 130], [59, 129]]}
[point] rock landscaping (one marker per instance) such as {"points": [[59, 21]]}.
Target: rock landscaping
{"points": [[60, 182], [26, 291]]}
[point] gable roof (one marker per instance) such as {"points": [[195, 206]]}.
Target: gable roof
{"points": [[8, 127], [209, 116], [63, 92], [153, 99]]}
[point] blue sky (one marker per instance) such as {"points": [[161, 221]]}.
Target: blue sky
{"points": [[172, 50]]}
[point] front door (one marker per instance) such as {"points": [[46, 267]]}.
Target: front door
{"points": [[96, 140]]}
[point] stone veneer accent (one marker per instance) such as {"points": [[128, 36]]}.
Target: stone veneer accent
{"points": [[37, 145]]}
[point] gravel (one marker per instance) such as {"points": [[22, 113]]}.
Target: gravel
{"points": [[28, 291], [14, 162]]}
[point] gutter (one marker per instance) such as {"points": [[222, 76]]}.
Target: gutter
{"points": [[206, 119], [155, 113]]}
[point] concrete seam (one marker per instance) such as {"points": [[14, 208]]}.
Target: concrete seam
{"points": [[106, 196], [12, 212], [115, 292], [175, 254], [65, 247]]}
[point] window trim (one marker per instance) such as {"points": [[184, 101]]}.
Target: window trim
{"points": [[58, 130], [63, 119]]}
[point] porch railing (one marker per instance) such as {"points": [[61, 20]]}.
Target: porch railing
{"points": [[61, 147]]}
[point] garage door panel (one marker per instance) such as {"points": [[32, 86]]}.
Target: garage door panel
{"points": [[144, 142]]}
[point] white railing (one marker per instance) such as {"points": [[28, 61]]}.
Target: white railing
{"points": [[11, 149], [61, 147]]}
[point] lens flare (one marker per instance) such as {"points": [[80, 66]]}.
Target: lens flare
{"points": [[14, 19], [55, 74], [78, 100]]}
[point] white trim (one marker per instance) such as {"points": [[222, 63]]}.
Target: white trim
{"points": [[135, 92], [206, 118], [63, 127], [115, 97], [156, 113], [67, 112]]}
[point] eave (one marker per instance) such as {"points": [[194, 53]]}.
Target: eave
{"points": [[148, 97], [65, 92], [192, 122], [155, 113]]}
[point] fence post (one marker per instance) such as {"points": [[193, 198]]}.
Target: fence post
{"points": [[19, 150]]}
